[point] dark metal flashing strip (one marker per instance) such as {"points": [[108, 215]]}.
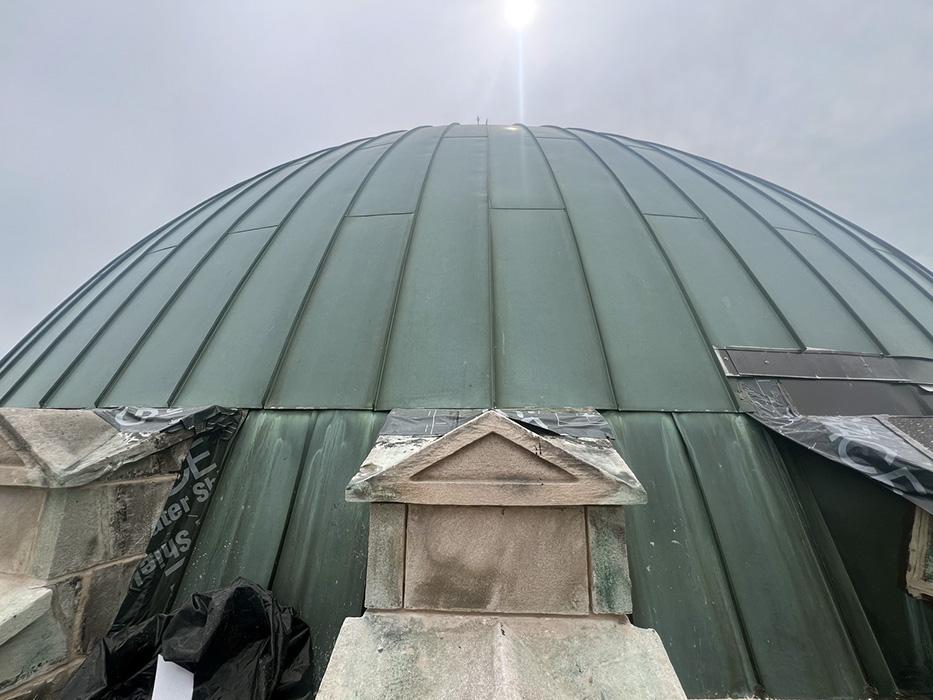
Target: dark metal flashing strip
{"points": [[814, 364]]}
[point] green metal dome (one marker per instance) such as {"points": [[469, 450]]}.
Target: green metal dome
{"points": [[470, 266]]}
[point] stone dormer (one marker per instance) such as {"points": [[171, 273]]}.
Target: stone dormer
{"points": [[500, 525]]}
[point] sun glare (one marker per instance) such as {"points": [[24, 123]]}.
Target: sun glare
{"points": [[519, 13]]}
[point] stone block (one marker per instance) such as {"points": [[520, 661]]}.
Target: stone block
{"points": [[52, 436], [89, 525], [106, 587], [72, 532], [31, 637], [611, 584], [67, 600], [47, 686], [134, 508], [20, 512], [425, 655], [496, 559], [385, 565]]}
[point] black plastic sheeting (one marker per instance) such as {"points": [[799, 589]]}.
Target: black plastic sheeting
{"points": [[238, 641], [137, 419], [868, 444], [158, 574], [434, 422]]}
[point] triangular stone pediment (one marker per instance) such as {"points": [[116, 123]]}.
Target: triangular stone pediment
{"points": [[493, 460]]}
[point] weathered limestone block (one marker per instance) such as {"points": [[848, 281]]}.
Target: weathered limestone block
{"points": [[494, 559], [611, 581], [426, 655], [86, 526], [20, 514], [48, 438], [385, 568], [78, 500], [31, 637], [104, 587], [47, 686]]}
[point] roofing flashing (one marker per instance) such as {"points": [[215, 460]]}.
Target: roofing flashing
{"points": [[824, 364]]}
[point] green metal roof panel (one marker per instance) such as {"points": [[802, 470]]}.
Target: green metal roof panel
{"points": [[345, 324], [732, 307], [153, 370], [858, 528], [785, 603], [250, 505], [519, 177], [543, 324], [322, 563], [607, 272], [430, 361]]}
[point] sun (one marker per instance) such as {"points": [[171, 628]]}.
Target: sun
{"points": [[520, 13]]}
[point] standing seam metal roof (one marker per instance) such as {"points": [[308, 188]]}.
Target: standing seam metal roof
{"points": [[469, 266]]}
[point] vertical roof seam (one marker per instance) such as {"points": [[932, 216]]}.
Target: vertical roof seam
{"points": [[798, 253], [234, 295], [404, 265], [825, 239], [312, 283], [725, 240], [692, 459], [251, 182], [586, 281], [176, 293], [493, 394], [688, 302]]}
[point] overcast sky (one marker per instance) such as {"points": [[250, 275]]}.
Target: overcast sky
{"points": [[116, 116]]}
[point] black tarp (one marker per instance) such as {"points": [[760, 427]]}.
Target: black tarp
{"points": [[238, 641]]}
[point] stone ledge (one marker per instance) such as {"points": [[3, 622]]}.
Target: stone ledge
{"points": [[31, 636], [434, 655], [46, 686]]}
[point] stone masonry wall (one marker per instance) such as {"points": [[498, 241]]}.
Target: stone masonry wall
{"points": [[66, 558]]}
